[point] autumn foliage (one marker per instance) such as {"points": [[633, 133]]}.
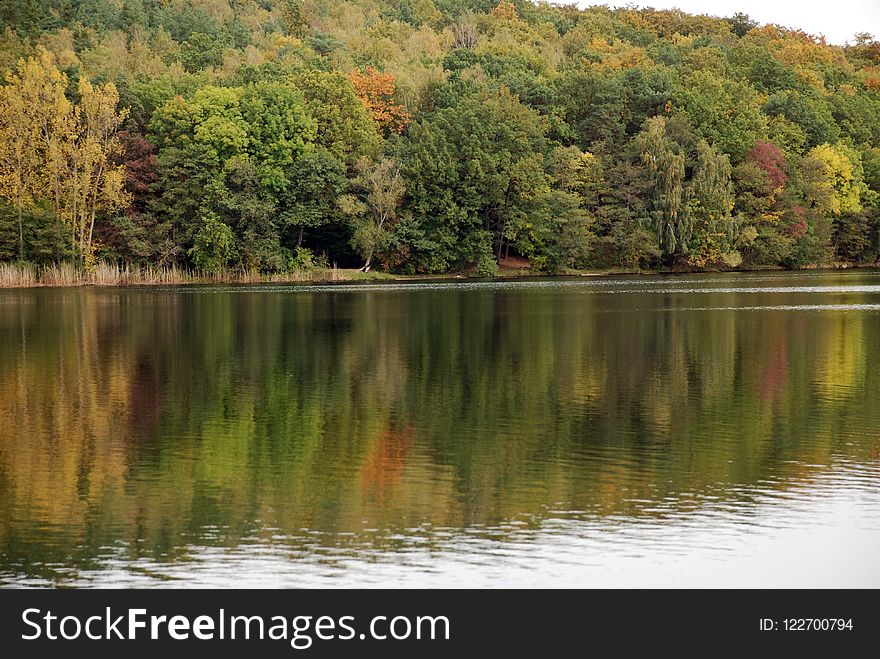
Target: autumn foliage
{"points": [[769, 157], [506, 10], [429, 137], [377, 92]]}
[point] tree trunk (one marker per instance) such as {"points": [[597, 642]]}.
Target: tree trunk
{"points": [[299, 241], [91, 231], [59, 238], [366, 266], [20, 235]]}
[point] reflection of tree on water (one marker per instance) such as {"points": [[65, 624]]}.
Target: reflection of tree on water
{"points": [[383, 467], [150, 420]]}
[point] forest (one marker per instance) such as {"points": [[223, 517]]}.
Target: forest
{"points": [[428, 137]]}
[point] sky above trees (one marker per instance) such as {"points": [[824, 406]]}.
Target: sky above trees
{"points": [[838, 22]]}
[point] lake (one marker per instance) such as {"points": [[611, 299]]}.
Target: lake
{"points": [[692, 430]]}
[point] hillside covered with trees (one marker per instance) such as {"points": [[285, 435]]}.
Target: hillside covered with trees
{"points": [[429, 136]]}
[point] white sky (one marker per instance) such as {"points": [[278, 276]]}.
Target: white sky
{"points": [[838, 20]]}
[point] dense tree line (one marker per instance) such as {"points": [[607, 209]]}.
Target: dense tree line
{"points": [[430, 136]]}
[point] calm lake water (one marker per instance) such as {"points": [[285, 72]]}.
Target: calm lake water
{"points": [[716, 430]]}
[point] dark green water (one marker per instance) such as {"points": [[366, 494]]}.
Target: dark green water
{"points": [[701, 430]]}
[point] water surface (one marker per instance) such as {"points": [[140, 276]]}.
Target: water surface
{"points": [[715, 430]]}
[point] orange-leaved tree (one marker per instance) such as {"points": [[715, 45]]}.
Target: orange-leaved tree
{"points": [[377, 92]]}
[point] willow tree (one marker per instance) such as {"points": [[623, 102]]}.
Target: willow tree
{"points": [[710, 199], [665, 163]]}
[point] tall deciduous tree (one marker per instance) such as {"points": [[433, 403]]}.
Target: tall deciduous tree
{"points": [[378, 191], [94, 182], [665, 162], [835, 179], [475, 170], [377, 92], [67, 152], [36, 124]]}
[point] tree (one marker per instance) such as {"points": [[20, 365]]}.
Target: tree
{"points": [[53, 148], [238, 199], [377, 92], [214, 244], [25, 103], [559, 232], [201, 51], [279, 130], [709, 205], [475, 169], [623, 239], [593, 105], [808, 111], [741, 24], [94, 182], [725, 112], [311, 200], [835, 179], [465, 32], [344, 126], [294, 18], [665, 163], [769, 158], [373, 206]]}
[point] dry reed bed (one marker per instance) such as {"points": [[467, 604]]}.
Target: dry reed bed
{"points": [[13, 275]]}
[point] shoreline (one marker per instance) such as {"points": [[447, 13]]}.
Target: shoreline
{"points": [[12, 276]]}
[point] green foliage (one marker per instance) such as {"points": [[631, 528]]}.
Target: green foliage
{"points": [[474, 169], [664, 162], [377, 191], [574, 138], [807, 111], [344, 126], [725, 112], [303, 259], [317, 179], [214, 245], [201, 51]]}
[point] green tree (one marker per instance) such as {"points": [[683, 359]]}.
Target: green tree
{"points": [[344, 127], [214, 244], [710, 201], [201, 51], [665, 162], [311, 200], [474, 170], [373, 205], [725, 112]]}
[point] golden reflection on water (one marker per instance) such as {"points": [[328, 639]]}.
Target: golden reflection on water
{"points": [[152, 424]]}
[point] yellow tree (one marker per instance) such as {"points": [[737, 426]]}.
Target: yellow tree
{"points": [[55, 150], [17, 157], [35, 122], [835, 179], [94, 183]]}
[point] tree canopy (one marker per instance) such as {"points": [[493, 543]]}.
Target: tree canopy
{"points": [[430, 136]]}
